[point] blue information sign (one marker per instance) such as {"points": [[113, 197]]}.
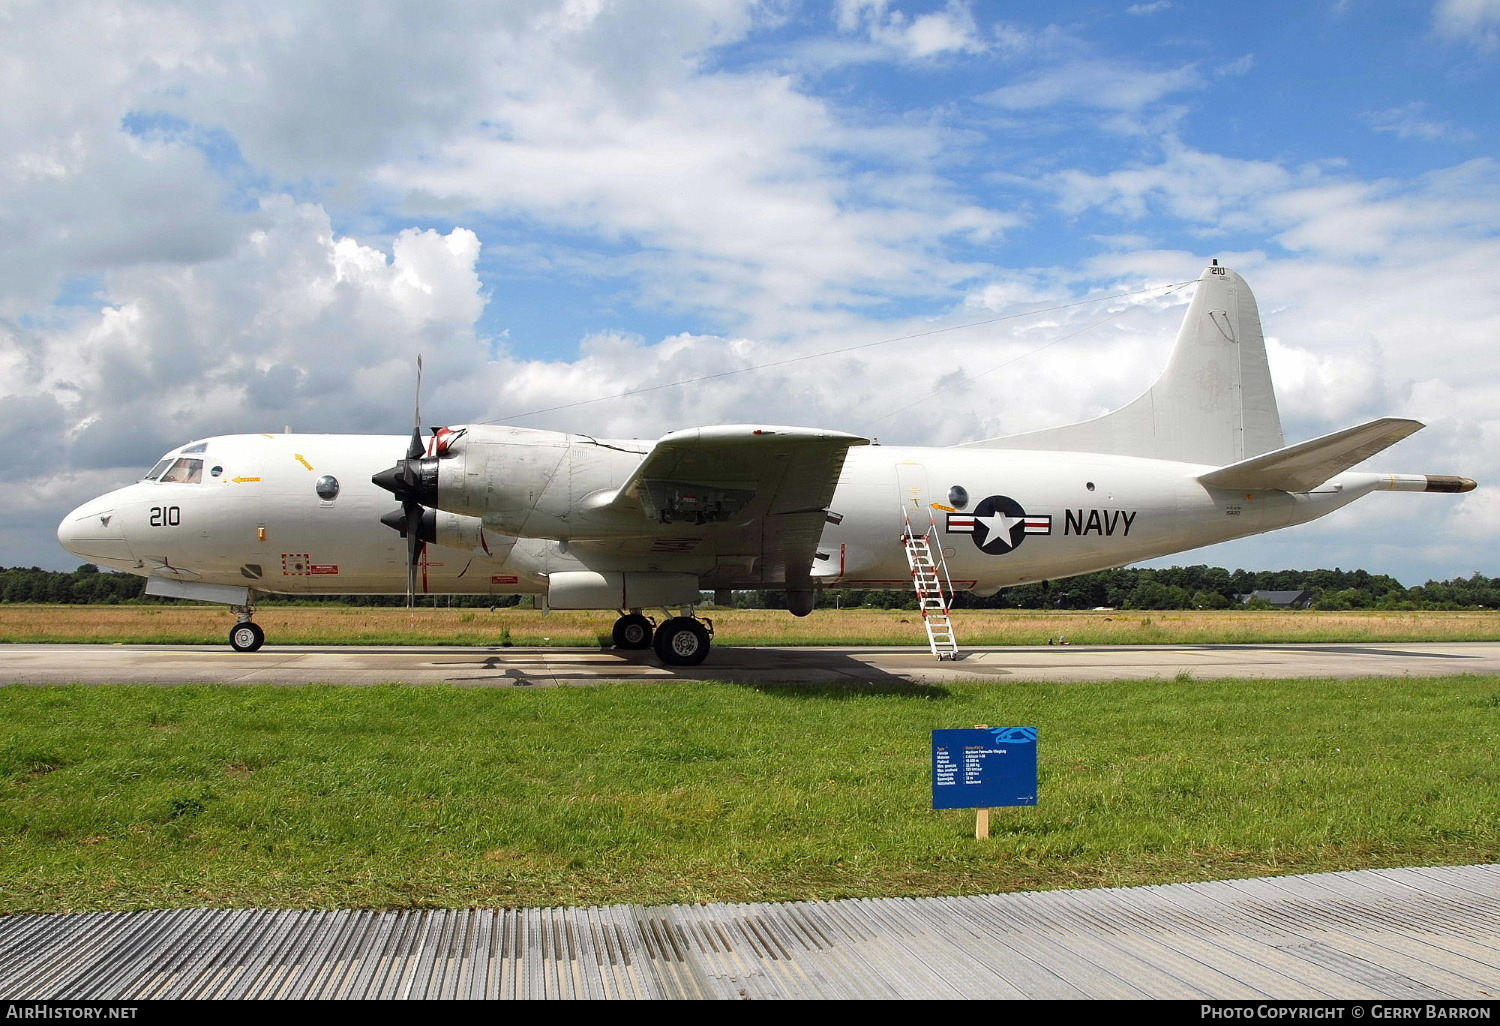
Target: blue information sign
{"points": [[984, 767]]}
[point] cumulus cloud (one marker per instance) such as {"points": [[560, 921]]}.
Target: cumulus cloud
{"points": [[1412, 121], [1476, 22], [1186, 182], [913, 37], [1106, 85], [736, 180], [79, 192], [215, 218], [293, 323]]}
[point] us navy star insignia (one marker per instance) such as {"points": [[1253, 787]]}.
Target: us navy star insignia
{"points": [[998, 524]]}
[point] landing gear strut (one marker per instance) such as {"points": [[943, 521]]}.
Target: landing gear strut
{"points": [[634, 631], [246, 636], [683, 640]]}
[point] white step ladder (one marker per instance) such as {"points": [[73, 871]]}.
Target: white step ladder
{"points": [[929, 572]]}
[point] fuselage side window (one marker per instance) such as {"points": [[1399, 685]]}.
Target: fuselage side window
{"points": [[184, 471]]}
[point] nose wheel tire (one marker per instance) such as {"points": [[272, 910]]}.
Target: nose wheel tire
{"points": [[681, 641], [633, 631], [246, 637]]}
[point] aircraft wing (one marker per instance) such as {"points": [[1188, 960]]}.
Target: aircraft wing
{"points": [[1304, 466], [761, 491]]}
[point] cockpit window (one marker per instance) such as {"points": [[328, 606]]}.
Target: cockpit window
{"points": [[200, 447], [184, 471], [155, 472]]}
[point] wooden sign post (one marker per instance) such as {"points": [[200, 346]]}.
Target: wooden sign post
{"points": [[981, 816]]}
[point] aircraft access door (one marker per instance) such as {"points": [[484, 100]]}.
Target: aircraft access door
{"points": [[912, 492]]}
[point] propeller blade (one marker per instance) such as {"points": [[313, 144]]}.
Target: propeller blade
{"points": [[416, 450], [414, 545], [405, 481]]}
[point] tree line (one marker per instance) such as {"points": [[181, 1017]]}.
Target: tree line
{"points": [[89, 585], [1178, 587]]}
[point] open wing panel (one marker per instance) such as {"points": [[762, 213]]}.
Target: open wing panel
{"points": [[760, 494]]}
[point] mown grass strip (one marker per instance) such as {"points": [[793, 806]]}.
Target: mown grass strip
{"points": [[364, 625], [124, 797]]}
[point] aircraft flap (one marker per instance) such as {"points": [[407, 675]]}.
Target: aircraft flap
{"points": [[1304, 466]]}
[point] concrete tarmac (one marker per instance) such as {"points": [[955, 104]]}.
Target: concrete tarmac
{"points": [[535, 667]]}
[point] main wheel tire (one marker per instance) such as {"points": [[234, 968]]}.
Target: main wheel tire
{"points": [[681, 641], [633, 631], [246, 637]]}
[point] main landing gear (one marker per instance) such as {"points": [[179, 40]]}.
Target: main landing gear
{"points": [[634, 631], [246, 636], [679, 641]]}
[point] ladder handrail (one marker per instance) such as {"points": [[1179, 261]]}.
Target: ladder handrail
{"points": [[924, 562], [939, 562]]}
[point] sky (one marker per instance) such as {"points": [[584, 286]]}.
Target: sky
{"points": [[218, 217]]}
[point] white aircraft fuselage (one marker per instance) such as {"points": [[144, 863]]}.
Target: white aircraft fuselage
{"points": [[254, 517], [592, 523]]}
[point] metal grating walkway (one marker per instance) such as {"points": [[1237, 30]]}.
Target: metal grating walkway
{"points": [[1398, 933]]}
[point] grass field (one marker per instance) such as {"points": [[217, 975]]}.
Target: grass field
{"points": [[188, 624], [124, 797]]}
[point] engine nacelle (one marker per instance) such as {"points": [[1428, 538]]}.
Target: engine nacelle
{"points": [[801, 601], [452, 530], [524, 482], [488, 469]]}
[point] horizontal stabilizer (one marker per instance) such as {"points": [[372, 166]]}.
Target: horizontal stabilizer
{"points": [[1304, 466]]}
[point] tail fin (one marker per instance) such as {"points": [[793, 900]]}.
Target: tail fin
{"points": [[1213, 404]]}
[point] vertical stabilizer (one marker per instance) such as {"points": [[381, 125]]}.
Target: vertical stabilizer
{"points": [[1213, 404]]}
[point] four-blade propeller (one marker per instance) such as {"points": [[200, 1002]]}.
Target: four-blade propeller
{"points": [[413, 480]]}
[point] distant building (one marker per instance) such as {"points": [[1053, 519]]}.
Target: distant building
{"points": [[1279, 599]]}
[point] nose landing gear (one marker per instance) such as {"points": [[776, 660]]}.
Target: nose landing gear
{"points": [[246, 636]]}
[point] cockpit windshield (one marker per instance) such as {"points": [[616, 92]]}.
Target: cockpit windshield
{"points": [[184, 472], [177, 471]]}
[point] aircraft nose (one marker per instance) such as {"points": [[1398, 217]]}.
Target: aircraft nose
{"points": [[94, 531]]}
